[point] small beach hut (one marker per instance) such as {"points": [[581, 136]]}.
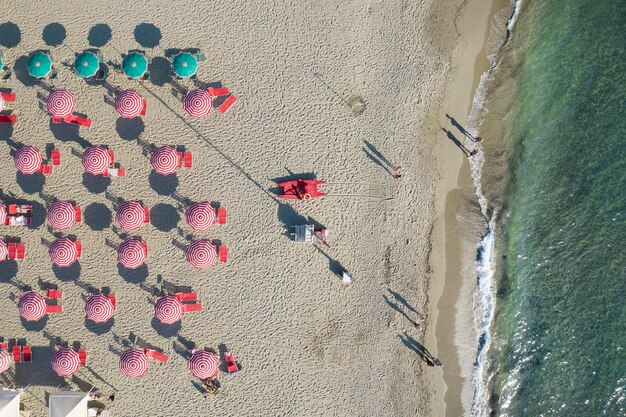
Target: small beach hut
{"points": [[200, 216], [197, 103], [99, 308], [61, 103], [132, 253], [9, 403], [39, 64], [134, 363], [61, 215], [5, 361], [168, 309], [86, 64], [165, 160], [65, 361], [184, 64], [96, 160], [201, 254], [135, 64], [130, 104], [68, 404], [63, 252], [32, 306], [203, 364], [131, 215], [28, 159]]}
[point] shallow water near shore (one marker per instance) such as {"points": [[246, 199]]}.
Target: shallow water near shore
{"points": [[555, 168]]}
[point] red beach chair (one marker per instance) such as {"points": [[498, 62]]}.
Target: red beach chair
{"points": [[55, 155], [77, 211], [7, 96], [186, 296], [21, 251], [187, 159], [113, 300], [79, 248], [111, 155], [180, 159], [54, 309], [230, 361], [221, 215], [56, 119], [145, 246], [12, 208], [227, 103], [82, 356], [8, 119], [146, 215], [12, 249], [143, 109], [81, 121], [4, 346], [223, 254], [27, 354], [301, 189], [216, 92], [17, 354], [54, 294], [155, 354], [45, 169], [192, 307]]}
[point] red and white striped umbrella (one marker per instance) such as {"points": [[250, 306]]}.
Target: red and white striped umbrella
{"points": [[65, 361], [133, 363], [203, 364], [63, 252], [28, 159], [96, 160], [165, 160], [168, 309], [131, 253], [4, 250], [198, 103], [3, 213], [61, 103], [129, 104], [130, 215], [200, 216], [61, 215], [99, 308], [201, 254], [5, 360], [31, 306]]}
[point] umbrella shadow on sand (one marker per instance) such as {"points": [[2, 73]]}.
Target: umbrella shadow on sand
{"points": [[99, 35], [160, 71], [21, 72], [30, 183], [54, 34], [96, 184], [35, 326], [147, 35], [10, 35], [98, 216], [133, 276], [129, 129], [166, 330], [164, 217], [67, 132], [67, 273], [99, 328], [163, 184], [8, 270]]}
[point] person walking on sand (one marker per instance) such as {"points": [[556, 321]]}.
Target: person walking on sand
{"points": [[396, 172], [477, 139]]}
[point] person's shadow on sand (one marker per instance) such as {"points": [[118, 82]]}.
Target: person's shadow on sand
{"points": [[418, 348], [456, 142]]}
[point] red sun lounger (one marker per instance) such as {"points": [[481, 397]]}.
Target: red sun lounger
{"points": [[17, 354], [216, 92], [12, 250], [54, 309], [57, 119], [82, 356], [221, 215], [113, 300], [155, 354], [187, 159], [4, 346], [55, 155], [54, 294], [27, 355], [192, 307], [79, 248], [223, 254], [21, 251], [8, 119], [111, 155], [81, 121], [230, 361], [7, 96], [77, 212], [143, 109], [46, 169], [186, 296], [146, 215], [227, 103]]}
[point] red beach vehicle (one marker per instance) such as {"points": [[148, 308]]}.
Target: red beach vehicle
{"points": [[301, 189]]}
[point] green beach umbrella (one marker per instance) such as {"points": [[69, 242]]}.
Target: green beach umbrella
{"points": [[185, 65], [135, 65], [86, 64], [39, 64]]}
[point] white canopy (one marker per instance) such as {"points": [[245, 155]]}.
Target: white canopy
{"points": [[9, 403], [68, 404]]}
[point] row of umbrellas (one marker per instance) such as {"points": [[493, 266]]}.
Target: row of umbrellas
{"points": [[134, 64], [99, 308], [133, 363]]}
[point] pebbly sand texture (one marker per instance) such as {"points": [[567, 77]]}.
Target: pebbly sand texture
{"points": [[309, 344]]}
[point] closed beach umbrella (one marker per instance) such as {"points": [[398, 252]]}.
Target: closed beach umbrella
{"points": [[168, 309], [86, 64], [28, 159], [61, 215], [3, 213], [198, 103], [96, 160], [201, 254], [39, 64], [65, 361], [165, 160], [200, 216], [133, 363], [4, 250], [203, 364], [31, 306], [135, 65], [131, 253], [129, 104], [130, 215], [185, 64], [61, 103], [63, 252], [5, 360], [99, 308]]}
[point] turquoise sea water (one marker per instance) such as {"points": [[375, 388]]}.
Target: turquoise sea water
{"points": [[559, 334]]}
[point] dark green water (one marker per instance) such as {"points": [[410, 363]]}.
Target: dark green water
{"points": [[559, 342]]}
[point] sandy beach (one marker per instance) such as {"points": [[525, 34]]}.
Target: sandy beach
{"points": [[340, 92]]}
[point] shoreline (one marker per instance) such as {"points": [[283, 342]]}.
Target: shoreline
{"points": [[455, 237]]}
